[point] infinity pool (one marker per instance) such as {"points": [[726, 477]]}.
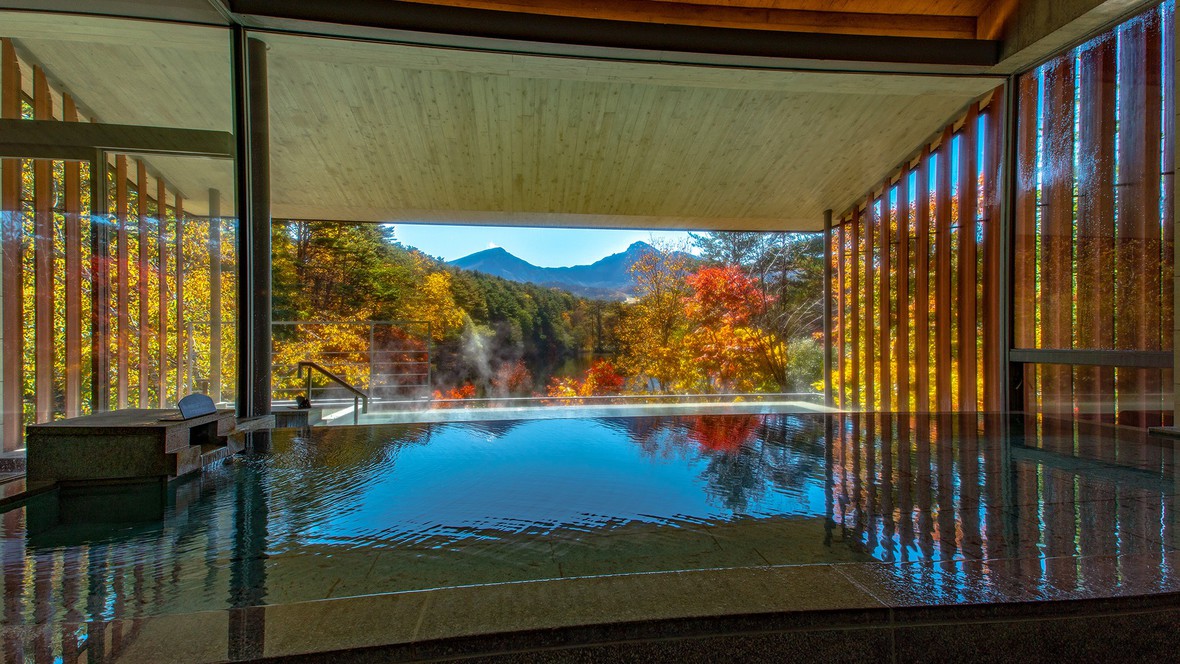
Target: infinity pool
{"points": [[349, 511]]}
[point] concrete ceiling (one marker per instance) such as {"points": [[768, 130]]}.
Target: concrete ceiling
{"points": [[380, 132]]}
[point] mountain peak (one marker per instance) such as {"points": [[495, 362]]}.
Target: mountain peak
{"points": [[608, 277], [491, 251]]}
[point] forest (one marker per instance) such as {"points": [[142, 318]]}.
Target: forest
{"points": [[741, 314]]}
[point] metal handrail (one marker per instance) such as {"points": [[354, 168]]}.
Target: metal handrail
{"points": [[357, 393]]}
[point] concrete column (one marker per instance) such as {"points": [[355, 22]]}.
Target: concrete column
{"points": [[251, 124]]}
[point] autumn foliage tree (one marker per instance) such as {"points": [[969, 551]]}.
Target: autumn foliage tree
{"points": [[651, 333], [601, 379], [723, 343]]}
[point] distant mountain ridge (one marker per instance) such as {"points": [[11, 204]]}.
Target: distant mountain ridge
{"points": [[608, 278]]}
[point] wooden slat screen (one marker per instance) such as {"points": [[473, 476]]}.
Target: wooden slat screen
{"points": [[90, 310], [926, 288], [1093, 261]]}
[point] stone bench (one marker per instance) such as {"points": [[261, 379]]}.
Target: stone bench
{"points": [[129, 444]]}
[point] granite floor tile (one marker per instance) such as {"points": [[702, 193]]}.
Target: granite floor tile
{"points": [[512, 607], [182, 638], [830, 647], [355, 622], [1143, 637]]}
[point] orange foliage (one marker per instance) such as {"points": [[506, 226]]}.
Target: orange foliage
{"points": [[725, 345], [722, 433], [602, 379], [514, 378], [723, 296], [466, 391]]}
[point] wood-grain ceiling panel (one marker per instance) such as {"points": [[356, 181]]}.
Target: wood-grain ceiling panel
{"points": [[397, 133], [950, 19], [373, 132], [930, 7]]}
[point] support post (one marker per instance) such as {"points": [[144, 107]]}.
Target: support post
{"points": [[943, 319], [968, 319], [215, 295], [72, 200], [252, 170], [854, 307], [1137, 248], [100, 287], [829, 399], [11, 257], [993, 350], [1095, 246], [181, 364], [870, 334], [1056, 237], [885, 374], [162, 293], [841, 313], [123, 319], [902, 351], [141, 243], [1023, 303], [43, 236], [922, 285]]}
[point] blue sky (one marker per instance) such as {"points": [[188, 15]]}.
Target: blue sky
{"points": [[546, 247]]}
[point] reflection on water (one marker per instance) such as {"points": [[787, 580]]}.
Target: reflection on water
{"points": [[346, 511]]}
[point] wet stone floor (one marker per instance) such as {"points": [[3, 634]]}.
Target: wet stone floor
{"points": [[823, 510]]}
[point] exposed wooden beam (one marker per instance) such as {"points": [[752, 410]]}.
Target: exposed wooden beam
{"points": [[751, 18], [560, 35], [940, 7], [79, 140]]}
